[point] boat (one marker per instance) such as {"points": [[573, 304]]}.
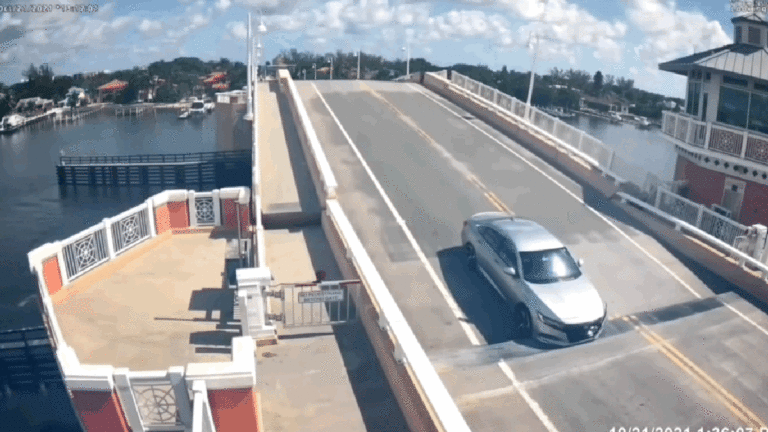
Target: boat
{"points": [[615, 117], [197, 107], [11, 123], [643, 123], [183, 115], [209, 105], [558, 112]]}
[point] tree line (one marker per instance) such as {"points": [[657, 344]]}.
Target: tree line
{"points": [[179, 78]]}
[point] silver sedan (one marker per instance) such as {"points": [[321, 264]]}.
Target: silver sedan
{"points": [[553, 300]]}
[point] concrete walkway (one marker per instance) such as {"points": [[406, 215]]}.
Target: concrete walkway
{"points": [[288, 194]]}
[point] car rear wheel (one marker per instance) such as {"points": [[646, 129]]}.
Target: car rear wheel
{"points": [[471, 256], [523, 323]]}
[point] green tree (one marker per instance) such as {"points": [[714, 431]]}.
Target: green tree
{"points": [[597, 81]]}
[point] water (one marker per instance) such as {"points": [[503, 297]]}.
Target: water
{"points": [[646, 149], [33, 208]]}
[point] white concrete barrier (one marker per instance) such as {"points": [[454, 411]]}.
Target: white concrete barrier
{"points": [[421, 394], [322, 175]]}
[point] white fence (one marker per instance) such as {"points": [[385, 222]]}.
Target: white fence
{"points": [[604, 158], [202, 419]]}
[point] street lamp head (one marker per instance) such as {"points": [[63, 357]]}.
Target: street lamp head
{"points": [[262, 28]]}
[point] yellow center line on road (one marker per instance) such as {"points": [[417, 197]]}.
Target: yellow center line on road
{"points": [[744, 415], [490, 196]]}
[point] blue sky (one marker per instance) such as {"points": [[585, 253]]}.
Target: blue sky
{"points": [[622, 38]]}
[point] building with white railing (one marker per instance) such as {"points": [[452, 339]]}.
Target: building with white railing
{"points": [[721, 138]]}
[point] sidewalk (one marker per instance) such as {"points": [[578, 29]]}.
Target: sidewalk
{"points": [[287, 191]]}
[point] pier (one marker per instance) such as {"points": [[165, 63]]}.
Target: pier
{"points": [[224, 168]]}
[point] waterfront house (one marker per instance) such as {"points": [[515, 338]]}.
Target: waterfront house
{"points": [[721, 133], [34, 104], [605, 104], [111, 88]]}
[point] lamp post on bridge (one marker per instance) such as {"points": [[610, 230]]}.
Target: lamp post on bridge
{"points": [[314, 67], [408, 58], [533, 72], [249, 114], [331, 60]]}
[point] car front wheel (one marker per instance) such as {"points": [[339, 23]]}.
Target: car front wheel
{"points": [[523, 323]]}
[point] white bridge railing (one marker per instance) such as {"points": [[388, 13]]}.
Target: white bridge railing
{"points": [[650, 190]]}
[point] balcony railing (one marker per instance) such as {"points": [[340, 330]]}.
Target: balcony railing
{"points": [[735, 142]]}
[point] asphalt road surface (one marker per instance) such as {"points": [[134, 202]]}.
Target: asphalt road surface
{"points": [[681, 349]]}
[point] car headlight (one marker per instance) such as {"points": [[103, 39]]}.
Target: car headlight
{"points": [[551, 321]]}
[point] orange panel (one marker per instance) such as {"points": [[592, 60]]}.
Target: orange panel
{"points": [[178, 214], [234, 409], [99, 411], [162, 219], [245, 217], [52, 275], [230, 215]]}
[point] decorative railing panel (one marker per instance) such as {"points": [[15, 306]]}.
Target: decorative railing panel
{"points": [[679, 207], [721, 227], [543, 121], [131, 229], [699, 134], [204, 211], [670, 121], [757, 149], [682, 129], [725, 141], [85, 253], [487, 93], [519, 109]]}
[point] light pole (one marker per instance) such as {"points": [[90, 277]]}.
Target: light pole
{"points": [[331, 60], [533, 63], [358, 64], [249, 113], [314, 67], [533, 69], [262, 30], [408, 61], [304, 71]]}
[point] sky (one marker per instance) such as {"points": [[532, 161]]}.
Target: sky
{"points": [[624, 38]]}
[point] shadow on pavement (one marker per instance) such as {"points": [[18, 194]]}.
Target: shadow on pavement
{"points": [[491, 315]]}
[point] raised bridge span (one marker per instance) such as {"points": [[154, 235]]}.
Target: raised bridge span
{"points": [[682, 349]]}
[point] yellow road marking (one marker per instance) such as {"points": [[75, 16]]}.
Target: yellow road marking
{"points": [[742, 412], [490, 196]]}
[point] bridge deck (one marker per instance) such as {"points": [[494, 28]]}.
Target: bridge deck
{"points": [[437, 169]]}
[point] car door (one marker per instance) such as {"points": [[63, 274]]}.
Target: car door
{"points": [[493, 260], [488, 241], [511, 284]]}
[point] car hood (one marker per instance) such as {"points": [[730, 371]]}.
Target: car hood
{"points": [[572, 302]]}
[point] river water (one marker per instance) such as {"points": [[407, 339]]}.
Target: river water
{"points": [[35, 210], [646, 149]]}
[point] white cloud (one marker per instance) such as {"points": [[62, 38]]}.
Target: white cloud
{"points": [[671, 33], [151, 27], [238, 30], [223, 5]]}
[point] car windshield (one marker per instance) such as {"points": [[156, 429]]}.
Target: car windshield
{"points": [[549, 266]]}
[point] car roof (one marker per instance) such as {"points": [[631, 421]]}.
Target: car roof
{"points": [[527, 235]]}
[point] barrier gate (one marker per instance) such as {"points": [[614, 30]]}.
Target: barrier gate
{"points": [[317, 303]]}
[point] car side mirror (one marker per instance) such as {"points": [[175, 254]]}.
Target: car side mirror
{"points": [[580, 262], [511, 271]]}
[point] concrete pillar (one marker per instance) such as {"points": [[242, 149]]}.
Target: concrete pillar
{"points": [[253, 282], [128, 399], [110, 239]]}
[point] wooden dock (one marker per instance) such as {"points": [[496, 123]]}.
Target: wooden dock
{"points": [[222, 169]]}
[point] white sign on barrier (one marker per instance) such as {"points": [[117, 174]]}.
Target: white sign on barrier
{"points": [[321, 296]]}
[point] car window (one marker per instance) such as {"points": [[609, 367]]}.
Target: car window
{"points": [[549, 266], [492, 237], [508, 254]]}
